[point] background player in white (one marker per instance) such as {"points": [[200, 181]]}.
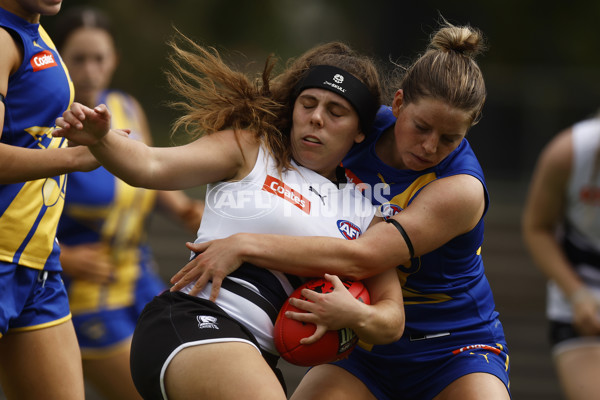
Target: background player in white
{"points": [[561, 228]]}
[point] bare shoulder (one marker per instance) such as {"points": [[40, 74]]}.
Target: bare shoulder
{"points": [[461, 188], [557, 155], [452, 205], [243, 141], [249, 146], [238, 149], [553, 167], [10, 60], [546, 196]]}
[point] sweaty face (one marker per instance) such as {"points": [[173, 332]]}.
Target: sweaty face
{"points": [[426, 132], [325, 126], [90, 56]]}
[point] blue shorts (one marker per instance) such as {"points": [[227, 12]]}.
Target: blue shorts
{"points": [[421, 369], [104, 329], [31, 299]]}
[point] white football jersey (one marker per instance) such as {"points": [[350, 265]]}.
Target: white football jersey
{"points": [[297, 202]]}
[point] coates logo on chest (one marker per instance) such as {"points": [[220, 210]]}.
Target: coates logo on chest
{"points": [[349, 230], [278, 188], [42, 60]]}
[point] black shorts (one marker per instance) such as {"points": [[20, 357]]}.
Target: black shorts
{"points": [[171, 322], [559, 332]]}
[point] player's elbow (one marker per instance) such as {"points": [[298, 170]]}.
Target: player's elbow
{"points": [[399, 330], [395, 329]]}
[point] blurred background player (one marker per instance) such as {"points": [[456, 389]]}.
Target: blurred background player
{"points": [[107, 263], [39, 356], [561, 228]]}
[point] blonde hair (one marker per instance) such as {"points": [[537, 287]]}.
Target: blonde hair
{"points": [[216, 97], [447, 70]]}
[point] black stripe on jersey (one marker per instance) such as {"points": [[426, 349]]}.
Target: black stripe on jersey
{"points": [[251, 296], [295, 281], [267, 284]]}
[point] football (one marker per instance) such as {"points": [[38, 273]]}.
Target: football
{"points": [[334, 345]]}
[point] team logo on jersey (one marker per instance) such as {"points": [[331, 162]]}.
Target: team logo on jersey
{"points": [[42, 60], [207, 321], [389, 209], [231, 201], [349, 230], [280, 189]]}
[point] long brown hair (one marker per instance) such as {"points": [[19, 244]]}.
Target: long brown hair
{"points": [[217, 97]]}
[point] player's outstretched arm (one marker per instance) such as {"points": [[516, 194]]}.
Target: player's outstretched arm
{"points": [[443, 210]]}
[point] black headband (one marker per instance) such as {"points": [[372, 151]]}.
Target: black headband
{"points": [[346, 85]]}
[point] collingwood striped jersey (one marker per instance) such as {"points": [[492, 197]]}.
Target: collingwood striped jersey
{"points": [[298, 202]]}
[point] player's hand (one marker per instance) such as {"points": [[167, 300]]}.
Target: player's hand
{"points": [[586, 318], [328, 311], [83, 125], [88, 262], [192, 215], [214, 261]]}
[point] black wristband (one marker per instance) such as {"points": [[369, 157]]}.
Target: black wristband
{"points": [[411, 250]]}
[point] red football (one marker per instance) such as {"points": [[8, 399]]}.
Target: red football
{"points": [[334, 345]]}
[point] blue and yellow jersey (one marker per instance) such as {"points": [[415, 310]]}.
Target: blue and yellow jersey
{"points": [[100, 208], [446, 289], [38, 93]]}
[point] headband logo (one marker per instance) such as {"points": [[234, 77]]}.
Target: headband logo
{"points": [[345, 84]]}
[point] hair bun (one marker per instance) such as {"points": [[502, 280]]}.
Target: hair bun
{"points": [[461, 39]]}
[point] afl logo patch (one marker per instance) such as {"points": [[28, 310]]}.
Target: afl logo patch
{"points": [[349, 230], [42, 60]]}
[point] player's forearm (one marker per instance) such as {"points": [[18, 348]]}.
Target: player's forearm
{"points": [[551, 260], [305, 255], [179, 206], [127, 159], [19, 164]]}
